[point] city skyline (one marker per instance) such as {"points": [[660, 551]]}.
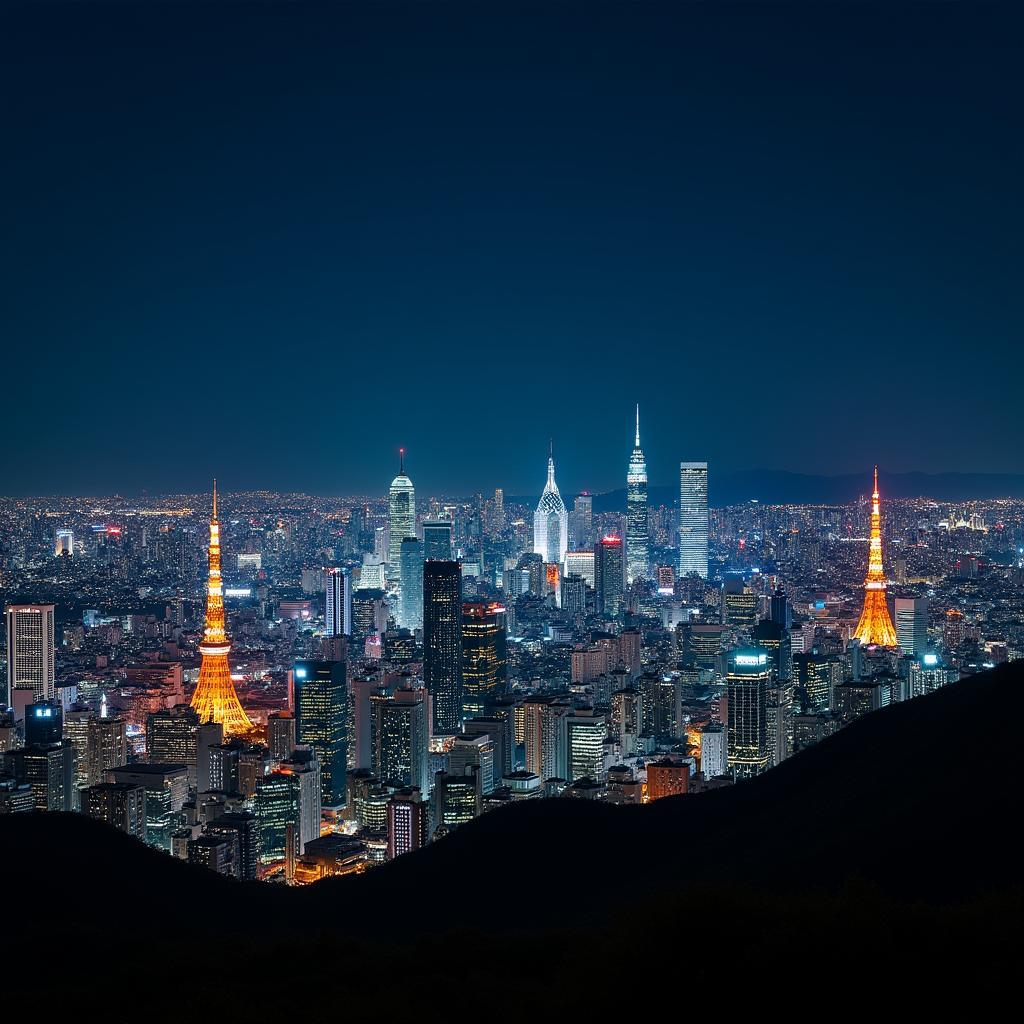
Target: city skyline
{"points": [[503, 500]]}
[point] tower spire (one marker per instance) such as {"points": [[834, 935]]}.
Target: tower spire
{"points": [[637, 425], [215, 699], [875, 625], [401, 462]]}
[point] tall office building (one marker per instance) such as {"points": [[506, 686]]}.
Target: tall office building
{"points": [[442, 643], [176, 736], [458, 799], [693, 518], [637, 554], [781, 690], [30, 651], [408, 822], [499, 728], [912, 625], [401, 515], [582, 521], [816, 677], [544, 737], [369, 618], [484, 658], [714, 753], [338, 605], [475, 751], [49, 769], [608, 575], [410, 601], [118, 804], [780, 609], [747, 679], [281, 734], [44, 723], [64, 543], [574, 595], [105, 747], [550, 521], [166, 787], [739, 603], [399, 737], [585, 737], [437, 540], [321, 711], [288, 797]]}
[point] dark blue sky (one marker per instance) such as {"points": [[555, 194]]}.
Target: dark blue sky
{"points": [[304, 235]]}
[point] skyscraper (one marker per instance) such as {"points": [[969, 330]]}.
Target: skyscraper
{"points": [[321, 710], [739, 603], [408, 822], [875, 625], [338, 607], [215, 699], [780, 610], [582, 521], [30, 650], [608, 575], [544, 736], [401, 515], [437, 540], [693, 518], [912, 625], [176, 736], [574, 595], [442, 643], [399, 737], [550, 521], [747, 679], [410, 603], [483, 656], [369, 618], [637, 555], [581, 563], [586, 733]]}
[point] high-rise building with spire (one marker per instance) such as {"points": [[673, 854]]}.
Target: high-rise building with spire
{"points": [[401, 516], [637, 556], [551, 521], [215, 699], [875, 626]]}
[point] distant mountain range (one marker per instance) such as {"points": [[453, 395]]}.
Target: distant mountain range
{"points": [[775, 487]]}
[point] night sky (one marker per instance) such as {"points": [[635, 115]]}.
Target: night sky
{"points": [[273, 242]]}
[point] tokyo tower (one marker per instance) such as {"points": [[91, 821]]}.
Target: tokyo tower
{"points": [[875, 626], [215, 699]]}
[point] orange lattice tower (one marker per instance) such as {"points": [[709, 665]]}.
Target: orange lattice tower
{"points": [[215, 699], [875, 626]]}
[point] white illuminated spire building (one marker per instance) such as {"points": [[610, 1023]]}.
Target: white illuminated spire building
{"points": [[401, 515], [551, 521], [637, 556]]}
